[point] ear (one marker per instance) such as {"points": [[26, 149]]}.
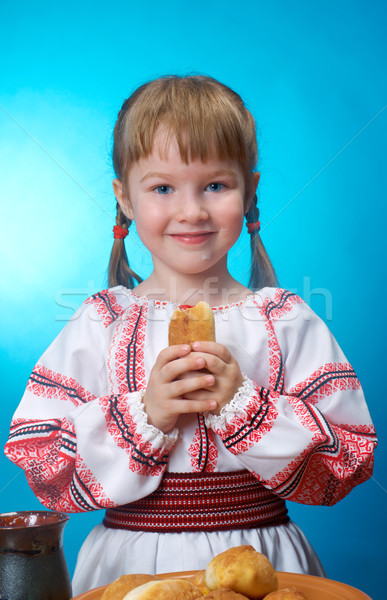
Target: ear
{"points": [[122, 198], [255, 177]]}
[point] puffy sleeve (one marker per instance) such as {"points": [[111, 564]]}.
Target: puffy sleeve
{"points": [[83, 444], [307, 435]]}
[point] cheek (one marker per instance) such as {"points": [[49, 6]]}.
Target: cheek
{"points": [[231, 218], [150, 220]]}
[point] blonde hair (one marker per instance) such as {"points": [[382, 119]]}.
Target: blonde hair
{"points": [[207, 118]]}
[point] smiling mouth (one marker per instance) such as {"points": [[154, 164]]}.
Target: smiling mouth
{"points": [[192, 238]]}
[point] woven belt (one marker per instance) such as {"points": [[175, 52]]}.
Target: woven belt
{"points": [[201, 502]]}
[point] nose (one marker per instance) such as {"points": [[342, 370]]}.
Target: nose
{"points": [[192, 208]]}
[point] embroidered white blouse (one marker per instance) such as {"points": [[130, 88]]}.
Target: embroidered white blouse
{"points": [[299, 424]]}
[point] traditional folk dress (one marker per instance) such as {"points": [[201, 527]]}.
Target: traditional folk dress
{"points": [[297, 429]]}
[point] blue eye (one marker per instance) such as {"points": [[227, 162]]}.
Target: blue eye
{"points": [[163, 189], [215, 187]]}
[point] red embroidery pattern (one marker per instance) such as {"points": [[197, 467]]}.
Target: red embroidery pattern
{"points": [[106, 305], [326, 470], [126, 367], [224, 308], [126, 361], [46, 450], [285, 483], [41, 438], [282, 304], [87, 492], [273, 310], [325, 479], [144, 459], [203, 451], [327, 380], [276, 378], [243, 431], [49, 384], [208, 502], [276, 381]]}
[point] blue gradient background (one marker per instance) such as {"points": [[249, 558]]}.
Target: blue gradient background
{"points": [[313, 74]]}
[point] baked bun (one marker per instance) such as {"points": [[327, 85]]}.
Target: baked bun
{"points": [[290, 593], [167, 589], [225, 594], [193, 324], [198, 580], [124, 584], [244, 570]]}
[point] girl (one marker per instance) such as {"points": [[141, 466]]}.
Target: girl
{"points": [[190, 450]]}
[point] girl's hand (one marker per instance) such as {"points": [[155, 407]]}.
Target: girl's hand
{"points": [[166, 396], [225, 369]]}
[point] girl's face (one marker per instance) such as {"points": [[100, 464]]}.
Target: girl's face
{"points": [[187, 215]]}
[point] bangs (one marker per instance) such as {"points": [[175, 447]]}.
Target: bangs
{"points": [[207, 119]]}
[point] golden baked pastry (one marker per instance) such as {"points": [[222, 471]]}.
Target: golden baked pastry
{"points": [[192, 325], [244, 570], [225, 594], [167, 589], [198, 580], [124, 584], [290, 593]]}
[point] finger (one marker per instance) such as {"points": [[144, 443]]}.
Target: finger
{"points": [[183, 406], [180, 366], [214, 348], [209, 381], [181, 387], [171, 353], [213, 363], [201, 395]]}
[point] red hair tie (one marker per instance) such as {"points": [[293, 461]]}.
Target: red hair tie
{"points": [[119, 232], [252, 227]]}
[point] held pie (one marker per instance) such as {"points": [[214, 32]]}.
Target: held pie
{"points": [[192, 324]]}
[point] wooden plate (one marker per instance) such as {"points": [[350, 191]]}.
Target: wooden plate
{"points": [[314, 588]]}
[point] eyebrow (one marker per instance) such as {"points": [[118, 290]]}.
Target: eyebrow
{"points": [[153, 174], [223, 172], [211, 175]]}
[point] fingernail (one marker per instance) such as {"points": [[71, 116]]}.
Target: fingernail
{"points": [[195, 346]]}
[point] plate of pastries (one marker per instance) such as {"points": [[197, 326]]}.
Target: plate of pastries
{"points": [[239, 573]]}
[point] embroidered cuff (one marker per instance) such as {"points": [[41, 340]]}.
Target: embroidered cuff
{"points": [[150, 433], [236, 406]]}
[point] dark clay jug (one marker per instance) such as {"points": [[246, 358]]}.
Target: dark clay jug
{"points": [[32, 562]]}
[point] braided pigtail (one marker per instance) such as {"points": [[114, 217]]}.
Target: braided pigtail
{"points": [[119, 271], [262, 272]]}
